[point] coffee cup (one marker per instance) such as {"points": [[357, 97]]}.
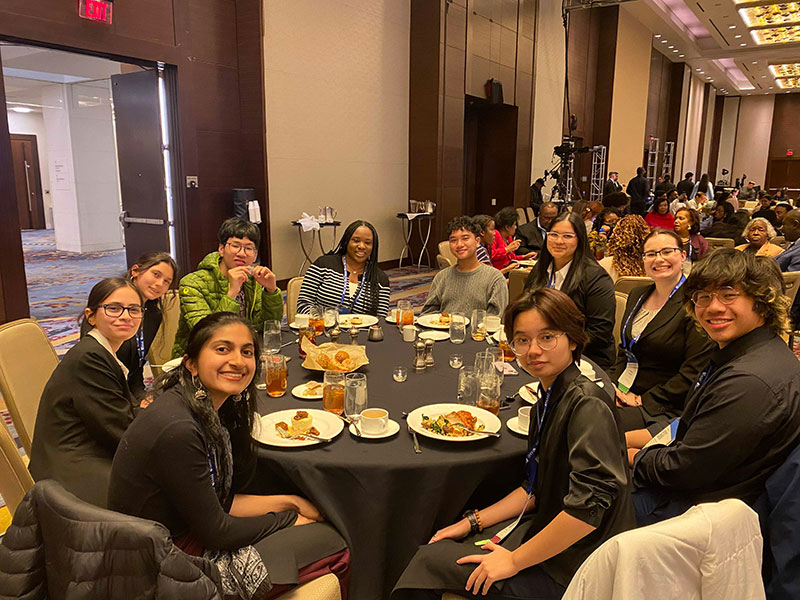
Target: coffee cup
{"points": [[301, 320], [492, 323], [409, 333], [374, 421], [524, 417]]}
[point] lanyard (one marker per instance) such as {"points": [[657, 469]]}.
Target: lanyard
{"points": [[551, 282], [704, 375], [140, 345], [212, 467], [531, 464], [344, 287], [628, 345]]}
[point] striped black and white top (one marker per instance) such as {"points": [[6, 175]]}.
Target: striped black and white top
{"points": [[324, 283]]}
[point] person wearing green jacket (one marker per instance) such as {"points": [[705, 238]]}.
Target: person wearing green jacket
{"points": [[227, 281]]}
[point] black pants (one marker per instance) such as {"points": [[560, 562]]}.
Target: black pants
{"points": [[530, 584]]}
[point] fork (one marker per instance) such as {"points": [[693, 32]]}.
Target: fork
{"points": [[349, 421], [417, 449], [289, 436], [465, 428]]}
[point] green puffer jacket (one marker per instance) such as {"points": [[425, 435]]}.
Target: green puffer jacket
{"points": [[205, 291]]}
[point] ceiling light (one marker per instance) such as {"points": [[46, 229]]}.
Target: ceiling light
{"points": [[670, 47], [681, 55], [743, 44], [755, 62], [697, 69], [674, 51], [21, 109], [731, 26], [777, 35], [658, 35], [771, 87], [788, 82], [785, 70], [772, 15], [738, 35], [664, 41], [763, 77]]}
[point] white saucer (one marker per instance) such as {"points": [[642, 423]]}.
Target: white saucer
{"points": [[392, 428], [513, 425], [434, 335]]}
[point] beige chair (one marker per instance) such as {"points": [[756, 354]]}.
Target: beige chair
{"points": [[27, 359], [161, 348], [522, 216], [292, 292], [530, 213], [750, 205], [322, 588], [445, 258], [516, 283], [621, 300], [779, 240], [624, 285], [15, 480], [714, 243]]}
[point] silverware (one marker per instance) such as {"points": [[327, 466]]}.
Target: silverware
{"points": [[413, 433], [489, 339], [294, 341], [288, 436], [465, 428], [350, 421]]}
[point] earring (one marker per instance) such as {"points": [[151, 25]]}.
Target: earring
{"points": [[244, 396], [200, 392]]}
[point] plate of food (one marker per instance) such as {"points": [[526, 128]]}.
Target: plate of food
{"points": [[530, 392], [438, 320], [291, 428], [453, 422], [311, 390], [359, 321]]}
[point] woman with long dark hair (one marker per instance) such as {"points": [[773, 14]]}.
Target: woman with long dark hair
{"points": [[348, 278], [566, 263], [687, 228], [186, 461], [86, 405], [704, 185]]}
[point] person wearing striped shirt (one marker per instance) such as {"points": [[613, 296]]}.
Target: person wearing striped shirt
{"points": [[486, 237], [348, 278]]}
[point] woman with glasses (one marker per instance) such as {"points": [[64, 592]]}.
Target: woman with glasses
{"points": [[575, 491], [566, 264], [661, 352], [758, 234], [742, 414], [86, 405]]}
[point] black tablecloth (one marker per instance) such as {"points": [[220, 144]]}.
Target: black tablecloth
{"points": [[382, 497]]}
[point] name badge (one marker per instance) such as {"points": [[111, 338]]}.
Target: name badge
{"points": [[628, 376]]}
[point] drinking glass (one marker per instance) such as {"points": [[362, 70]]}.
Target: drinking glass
{"points": [[333, 392], [331, 317], [456, 361], [275, 374], [458, 328], [305, 332], [272, 337], [508, 353], [355, 394], [400, 374], [478, 325], [404, 314], [316, 319], [489, 395], [468, 386]]}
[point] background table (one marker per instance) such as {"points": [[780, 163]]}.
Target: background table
{"points": [[407, 224], [316, 234], [385, 499]]}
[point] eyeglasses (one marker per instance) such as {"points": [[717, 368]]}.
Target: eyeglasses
{"points": [[725, 294], [249, 250], [546, 340], [115, 310], [567, 237], [663, 253]]}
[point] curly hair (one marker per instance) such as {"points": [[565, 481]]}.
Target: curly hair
{"points": [[766, 224], [625, 245]]}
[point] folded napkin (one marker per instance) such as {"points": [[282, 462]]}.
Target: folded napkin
{"points": [[308, 223], [415, 215]]}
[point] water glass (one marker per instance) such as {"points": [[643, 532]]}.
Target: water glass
{"points": [[400, 374], [316, 319], [468, 386], [330, 317], [333, 392], [272, 337], [478, 325], [355, 394], [275, 375], [456, 361], [458, 328]]}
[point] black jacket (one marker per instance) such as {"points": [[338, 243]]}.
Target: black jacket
{"points": [[768, 214], [530, 237], [686, 186], [638, 189], [84, 410], [611, 187], [671, 353], [128, 353], [536, 198]]}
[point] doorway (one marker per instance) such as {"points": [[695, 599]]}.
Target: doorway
{"points": [[27, 181]]}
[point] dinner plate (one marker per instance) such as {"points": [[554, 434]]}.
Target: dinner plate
{"points": [[583, 366], [391, 318], [529, 391], [297, 391], [172, 364], [328, 424], [496, 335], [527, 263], [437, 336], [367, 320], [490, 422], [432, 320], [513, 425], [391, 429]]}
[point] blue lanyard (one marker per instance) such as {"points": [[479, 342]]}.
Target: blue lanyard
{"points": [[628, 345], [551, 282], [140, 345], [344, 288], [704, 376], [212, 467], [531, 464]]}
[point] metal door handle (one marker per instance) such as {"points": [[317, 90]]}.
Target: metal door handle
{"points": [[28, 186], [127, 221]]}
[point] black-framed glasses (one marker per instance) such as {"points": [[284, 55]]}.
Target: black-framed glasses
{"points": [[114, 310], [249, 249], [726, 294], [663, 253], [546, 340]]}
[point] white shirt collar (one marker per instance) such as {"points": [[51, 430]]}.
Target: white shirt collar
{"points": [[561, 274], [103, 341]]}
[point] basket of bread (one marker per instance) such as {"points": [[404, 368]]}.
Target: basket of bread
{"points": [[333, 357]]}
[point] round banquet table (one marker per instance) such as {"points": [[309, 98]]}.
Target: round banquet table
{"points": [[381, 496]]}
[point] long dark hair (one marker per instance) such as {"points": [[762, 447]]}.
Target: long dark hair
{"points": [[539, 275], [371, 269], [704, 181], [102, 290]]}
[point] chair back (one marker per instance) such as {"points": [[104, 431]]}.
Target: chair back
{"points": [[27, 359], [531, 215], [791, 283], [516, 283], [522, 216], [714, 243], [779, 240], [292, 292], [161, 348], [15, 480], [626, 284], [621, 300], [750, 205], [449, 259]]}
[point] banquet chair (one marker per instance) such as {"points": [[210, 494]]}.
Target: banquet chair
{"points": [[27, 359], [530, 213], [750, 205], [516, 283], [624, 285], [714, 243], [522, 216], [15, 480], [779, 240], [161, 348], [445, 258], [292, 292], [621, 300]]}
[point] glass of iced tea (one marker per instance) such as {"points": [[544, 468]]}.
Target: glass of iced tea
{"points": [[333, 392], [316, 319], [404, 313], [275, 374], [489, 396], [508, 353], [305, 332]]}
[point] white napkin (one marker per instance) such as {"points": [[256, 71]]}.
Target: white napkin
{"points": [[308, 223]]}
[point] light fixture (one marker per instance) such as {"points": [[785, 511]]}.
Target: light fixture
{"points": [[674, 51], [731, 26], [771, 15], [670, 47], [788, 82], [776, 35], [763, 77], [738, 35], [681, 55], [785, 70], [743, 44], [664, 41], [755, 62], [697, 69], [658, 35], [21, 109]]}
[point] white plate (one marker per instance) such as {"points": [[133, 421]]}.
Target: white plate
{"points": [[328, 424], [297, 392], [435, 335], [527, 263], [527, 395], [513, 425], [392, 428], [367, 320], [584, 367], [490, 422], [391, 318], [496, 335], [432, 320], [172, 364]]}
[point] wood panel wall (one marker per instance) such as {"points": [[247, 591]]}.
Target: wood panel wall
{"points": [[664, 102]]}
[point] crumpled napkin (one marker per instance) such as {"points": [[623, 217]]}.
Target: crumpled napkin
{"points": [[308, 223]]}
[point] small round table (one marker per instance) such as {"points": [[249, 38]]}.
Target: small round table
{"points": [[316, 234]]}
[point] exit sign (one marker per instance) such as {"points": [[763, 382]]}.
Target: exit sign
{"points": [[96, 10]]}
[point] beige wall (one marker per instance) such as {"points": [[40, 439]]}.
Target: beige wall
{"points": [[629, 99], [752, 138], [727, 137], [709, 130], [337, 84], [694, 121]]}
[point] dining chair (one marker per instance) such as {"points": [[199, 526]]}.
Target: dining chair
{"points": [[161, 348], [714, 243], [779, 240], [516, 283], [522, 216], [15, 479], [624, 285], [445, 258], [621, 300], [791, 283], [292, 292], [530, 213], [27, 359]]}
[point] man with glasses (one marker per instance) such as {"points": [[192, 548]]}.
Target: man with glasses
{"points": [[532, 235], [228, 280], [742, 414]]}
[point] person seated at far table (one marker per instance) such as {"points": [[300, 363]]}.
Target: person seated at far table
{"points": [[348, 278], [624, 248], [687, 228], [742, 414], [659, 216], [602, 227], [780, 212], [758, 233], [228, 280], [469, 284], [765, 211], [532, 235], [485, 239], [576, 489], [661, 352], [504, 247]]}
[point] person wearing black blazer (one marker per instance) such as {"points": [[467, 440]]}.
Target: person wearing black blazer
{"points": [[86, 405], [567, 264], [668, 350]]}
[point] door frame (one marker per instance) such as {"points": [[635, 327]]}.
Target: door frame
{"points": [[30, 137]]}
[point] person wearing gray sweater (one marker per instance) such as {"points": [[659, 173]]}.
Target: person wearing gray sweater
{"points": [[469, 284]]}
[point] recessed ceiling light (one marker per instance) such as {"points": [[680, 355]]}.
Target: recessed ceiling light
{"points": [[731, 26], [743, 44], [664, 41], [697, 69], [670, 47], [674, 51], [681, 55], [738, 35], [755, 62], [712, 81], [771, 87], [658, 35], [763, 77]]}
